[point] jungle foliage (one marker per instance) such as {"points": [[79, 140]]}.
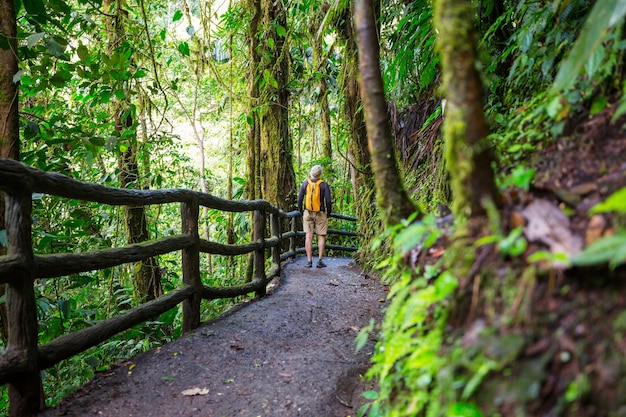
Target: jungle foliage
{"points": [[182, 69], [541, 64]]}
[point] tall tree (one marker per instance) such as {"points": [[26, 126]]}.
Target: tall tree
{"points": [[320, 72], [352, 110], [393, 200], [9, 119], [147, 274], [276, 148], [468, 155], [25, 395], [253, 186]]}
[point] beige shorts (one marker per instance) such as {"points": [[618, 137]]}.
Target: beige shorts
{"points": [[315, 220]]}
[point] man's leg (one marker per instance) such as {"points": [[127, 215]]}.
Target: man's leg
{"points": [[308, 226], [321, 227], [321, 243], [308, 246]]}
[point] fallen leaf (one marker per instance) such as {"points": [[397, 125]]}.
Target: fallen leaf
{"points": [[195, 391], [548, 224], [436, 252], [595, 229]]}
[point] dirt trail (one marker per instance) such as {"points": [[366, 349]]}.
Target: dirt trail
{"points": [[291, 353]]}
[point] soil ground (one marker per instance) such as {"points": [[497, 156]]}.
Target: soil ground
{"points": [[291, 353]]}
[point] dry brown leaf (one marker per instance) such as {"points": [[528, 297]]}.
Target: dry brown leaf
{"points": [[548, 224], [195, 391]]}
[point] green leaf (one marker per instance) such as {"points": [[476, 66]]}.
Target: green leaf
{"points": [[36, 10], [83, 53], [463, 410], [97, 141], [621, 109], [177, 16], [598, 105], [370, 395], [603, 16], [610, 249], [270, 43], [281, 31], [105, 96], [183, 48], [34, 39], [18, 76], [615, 202], [66, 308], [56, 49]]}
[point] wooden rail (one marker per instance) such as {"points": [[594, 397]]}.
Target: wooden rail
{"points": [[23, 358]]}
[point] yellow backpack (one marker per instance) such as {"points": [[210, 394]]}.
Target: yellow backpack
{"points": [[313, 198]]}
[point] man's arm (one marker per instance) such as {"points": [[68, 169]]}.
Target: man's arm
{"points": [[327, 199], [301, 196]]}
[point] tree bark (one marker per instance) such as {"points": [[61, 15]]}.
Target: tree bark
{"points": [[352, 109], [19, 312], [392, 198], [9, 118], [320, 72], [276, 153], [147, 274], [468, 155], [253, 189]]}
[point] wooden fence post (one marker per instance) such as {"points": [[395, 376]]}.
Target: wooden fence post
{"points": [[275, 232], [25, 392], [292, 243], [259, 254], [191, 265]]}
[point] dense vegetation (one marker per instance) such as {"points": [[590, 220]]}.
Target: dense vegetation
{"points": [[240, 99]]}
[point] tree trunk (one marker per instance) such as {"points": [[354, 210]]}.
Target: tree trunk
{"points": [[19, 312], [253, 189], [9, 119], [276, 153], [147, 273], [352, 109], [468, 157], [392, 198], [320, 72]]}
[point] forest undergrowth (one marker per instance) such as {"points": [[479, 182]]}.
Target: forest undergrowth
{"points": [[534, 327]]}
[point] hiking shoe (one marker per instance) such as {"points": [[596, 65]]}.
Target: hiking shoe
{"points": [[309, 264], [321, 264]]}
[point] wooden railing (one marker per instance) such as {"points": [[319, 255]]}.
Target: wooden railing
{"points": [[23, 358]]}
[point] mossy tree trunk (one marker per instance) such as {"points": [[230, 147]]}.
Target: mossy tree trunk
{"points": [[17, 313], [468, 156], [320, 71], [253, 137], [392, 198], [9, 118], [359, 157], [147, 274], [276, 151]]}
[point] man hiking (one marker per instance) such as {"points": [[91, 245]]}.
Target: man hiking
{"points": [[316, 206]]}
